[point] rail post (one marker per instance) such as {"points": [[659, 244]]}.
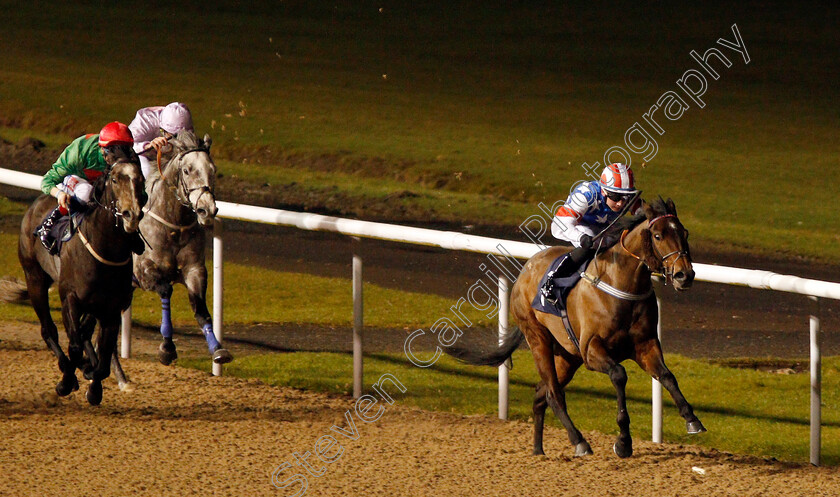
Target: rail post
{"points": [[218, 281], [358, 315], [504, 312], [816, 383], [656, 387], [125, 334]]}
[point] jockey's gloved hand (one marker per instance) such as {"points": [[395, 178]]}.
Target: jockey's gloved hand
{"points": [[586, 242]]}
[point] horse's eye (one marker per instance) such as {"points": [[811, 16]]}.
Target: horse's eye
{"points": [[186, 173], [657, 237]]}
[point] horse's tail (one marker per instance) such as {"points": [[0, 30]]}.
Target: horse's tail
{"points": [[495, 357], [13, 291]]}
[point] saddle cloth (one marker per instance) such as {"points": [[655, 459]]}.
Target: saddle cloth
{"points": [[64, 229]]}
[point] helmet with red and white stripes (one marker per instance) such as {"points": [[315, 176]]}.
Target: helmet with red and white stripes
{"points": [[618, 178]]}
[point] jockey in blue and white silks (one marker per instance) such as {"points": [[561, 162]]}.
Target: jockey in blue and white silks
{"points": [[593, 205], [590, 208]]}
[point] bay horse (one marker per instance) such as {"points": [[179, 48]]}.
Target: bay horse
{"points": [[181, 205], [609, 326], [93, 271]]}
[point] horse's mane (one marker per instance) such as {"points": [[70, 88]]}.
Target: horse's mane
{"points": [[630, 222], [184, 140]]}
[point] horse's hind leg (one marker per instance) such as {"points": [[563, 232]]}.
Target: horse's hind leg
{"points": [[72, 325], [38, 283], [649, 357], [540, 404], [597, 359], [122, 379], [195, 279], [552, 393]]}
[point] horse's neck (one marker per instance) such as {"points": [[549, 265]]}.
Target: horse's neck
{"points": [[622, 270], [104, 230]]}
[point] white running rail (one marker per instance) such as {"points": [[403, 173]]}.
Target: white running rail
{"points": [[459, 241]]}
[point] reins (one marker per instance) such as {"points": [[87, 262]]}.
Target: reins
{"points": [[668, 273]]}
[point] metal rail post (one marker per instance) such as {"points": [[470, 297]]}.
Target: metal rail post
{"points": [[504, 312], [125, 334], [816, 383], [358, 321], [218, 281], [656, 387]]}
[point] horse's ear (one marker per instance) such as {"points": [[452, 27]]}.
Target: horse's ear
{"points": [[207, 141], [648, 210], [672, 209], [648, 253]]}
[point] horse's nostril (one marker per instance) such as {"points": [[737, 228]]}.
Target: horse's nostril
{"points": [[126, 214], [201, 212], [679, 276]]}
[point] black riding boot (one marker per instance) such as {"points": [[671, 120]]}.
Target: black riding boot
{"points": [[576, 257], [44, 232]]}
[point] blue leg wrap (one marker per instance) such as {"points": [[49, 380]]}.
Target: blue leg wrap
{"points": [[165, 319], [212, 343]]}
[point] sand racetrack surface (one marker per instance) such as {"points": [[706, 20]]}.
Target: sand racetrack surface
{"points": [[183, 432]]}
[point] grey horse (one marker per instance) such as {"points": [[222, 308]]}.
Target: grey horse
{"points": [[181, 205]]}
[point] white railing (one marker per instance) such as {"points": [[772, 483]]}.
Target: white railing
{"points": [[458, 241]]}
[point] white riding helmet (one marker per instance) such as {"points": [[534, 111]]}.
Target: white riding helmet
{"points": [[618, 178], [176, 117]]}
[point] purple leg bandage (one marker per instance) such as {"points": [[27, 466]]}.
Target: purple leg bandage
{"points": [[165, 319], [212, 343]]}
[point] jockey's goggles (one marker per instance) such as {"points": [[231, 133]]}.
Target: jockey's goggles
{"points": [[618, 197]]}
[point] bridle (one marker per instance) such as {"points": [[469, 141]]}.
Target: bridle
{"points": [[181, 192], [668, 272], [181, 187], [112, 208]]}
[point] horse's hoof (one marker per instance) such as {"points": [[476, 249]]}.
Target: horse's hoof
{"points": [[127, 387], [694, 427], [167, 353], [94, 393], [583, 449], [64, 389], [538, 452], [623, 450], [222, 356]]}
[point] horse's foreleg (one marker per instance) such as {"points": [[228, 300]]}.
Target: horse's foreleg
{"points": [[166, 352], [195, 279], [649, 358], [105, 346], [598, 359]]}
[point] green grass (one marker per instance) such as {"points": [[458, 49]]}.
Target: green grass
{"points": [[757, 413], [504, 110]]}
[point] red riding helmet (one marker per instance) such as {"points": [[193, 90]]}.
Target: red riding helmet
{"points": [[115, 133]]}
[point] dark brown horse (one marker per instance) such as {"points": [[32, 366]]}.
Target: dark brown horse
{"points": [[93, 272], [610, 326]]}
